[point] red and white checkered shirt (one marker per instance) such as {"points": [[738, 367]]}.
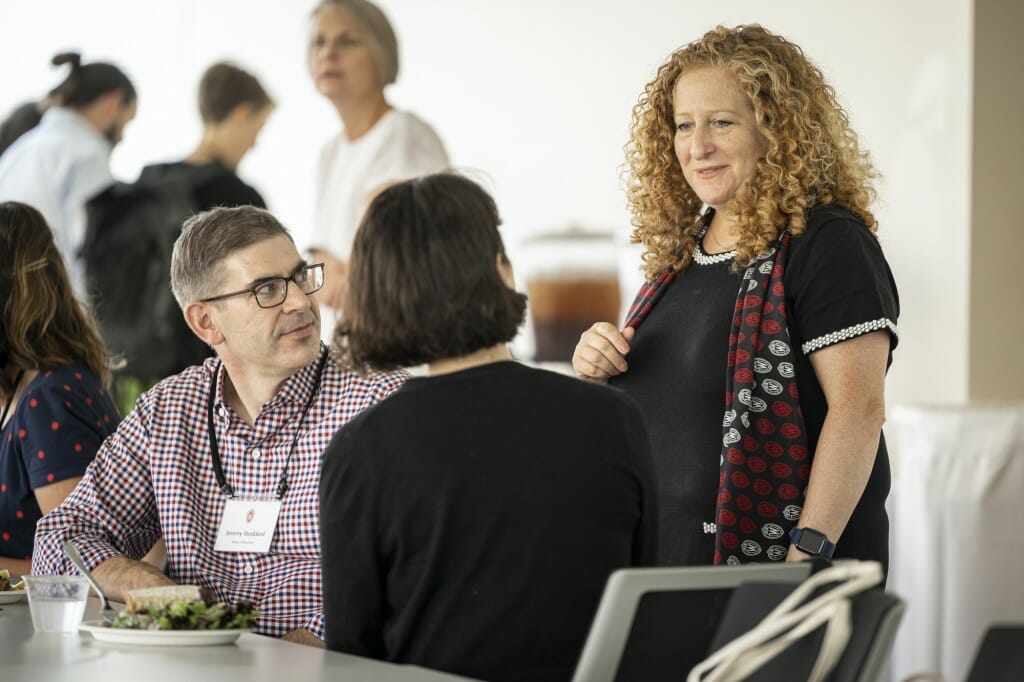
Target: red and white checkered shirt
{"points": [[154, 478]]}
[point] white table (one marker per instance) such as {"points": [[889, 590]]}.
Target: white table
{"points": [[31, 657]]}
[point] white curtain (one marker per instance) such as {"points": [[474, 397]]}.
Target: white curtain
{"points": [[957, 507]]}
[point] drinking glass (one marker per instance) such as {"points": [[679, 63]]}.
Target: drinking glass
{"points": [[56, 602]]}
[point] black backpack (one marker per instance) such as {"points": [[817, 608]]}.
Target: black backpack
{"points": [[130, 233], [23, 119]]}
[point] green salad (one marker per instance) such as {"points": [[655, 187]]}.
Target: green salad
{"points": [[190, 615]]}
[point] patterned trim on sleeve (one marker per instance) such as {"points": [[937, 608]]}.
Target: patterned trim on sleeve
{"points": [[848, 333]]}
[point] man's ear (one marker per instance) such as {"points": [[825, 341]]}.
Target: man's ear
{"points": [[241, 113], [200, 320], [505, 271]]}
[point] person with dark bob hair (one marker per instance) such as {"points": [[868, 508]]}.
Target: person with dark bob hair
{"points": [[455, 303], [469, 521], [54, 375]]}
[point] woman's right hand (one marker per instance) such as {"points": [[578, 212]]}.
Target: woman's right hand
{"points": [[601, 352]]}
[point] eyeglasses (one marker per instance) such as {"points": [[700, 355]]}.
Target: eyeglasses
{"points": [[273, 291]]}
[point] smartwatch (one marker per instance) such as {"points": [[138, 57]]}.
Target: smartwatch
{"points": [[810, 541]]}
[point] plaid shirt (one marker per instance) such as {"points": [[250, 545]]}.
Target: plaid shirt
{"points": [[153, 478]]}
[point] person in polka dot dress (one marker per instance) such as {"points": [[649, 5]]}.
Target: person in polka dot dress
{"points": [[53, 396]]}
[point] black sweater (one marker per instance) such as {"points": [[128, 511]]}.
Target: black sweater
{"points": [[470, 521]]}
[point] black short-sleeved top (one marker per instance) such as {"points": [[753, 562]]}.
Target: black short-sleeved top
{"points": [[59, 422], [469, 522], [838, 285], [222, 188]]}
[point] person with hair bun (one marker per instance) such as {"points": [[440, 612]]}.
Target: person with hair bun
{"points": [[759, 345], [65, 160], [353, 57], [54, 376], [470, 520]]}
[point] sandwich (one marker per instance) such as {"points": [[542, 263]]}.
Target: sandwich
{"points": [[182, 607], [142, 600]]}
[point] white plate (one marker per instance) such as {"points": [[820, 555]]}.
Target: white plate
{"points": [[11, 596], [103, 633]]}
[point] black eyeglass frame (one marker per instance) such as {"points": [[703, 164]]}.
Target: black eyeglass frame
{"points": [[290, 279]]}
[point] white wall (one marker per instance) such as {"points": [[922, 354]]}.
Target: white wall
{"points": [[538, 93]]}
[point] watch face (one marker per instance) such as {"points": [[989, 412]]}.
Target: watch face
{"points": [[811, 541]]}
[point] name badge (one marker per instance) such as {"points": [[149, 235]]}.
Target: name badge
{"points": [[247, 525]]}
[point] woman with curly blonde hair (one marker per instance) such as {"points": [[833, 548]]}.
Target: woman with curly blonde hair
{"points": [[55, 408], [751, 196]]}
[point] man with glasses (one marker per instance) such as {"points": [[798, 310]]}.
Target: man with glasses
{"points": [[222, 461]]}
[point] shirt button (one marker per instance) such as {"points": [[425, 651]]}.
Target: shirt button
{"points": [[248, 569], [256, 453]]}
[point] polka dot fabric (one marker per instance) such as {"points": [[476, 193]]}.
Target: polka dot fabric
{"points": [[60, 421]]}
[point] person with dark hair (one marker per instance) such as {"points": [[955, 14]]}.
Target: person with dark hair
{"points": [[759, 345], [353, 57], [233, 106], [469, 522], [54, 375], [222, 461], [65, 160]]}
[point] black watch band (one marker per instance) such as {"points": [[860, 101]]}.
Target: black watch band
{"points": [[810, 541]]}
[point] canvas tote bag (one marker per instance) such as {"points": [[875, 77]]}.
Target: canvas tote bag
{"points": [[805, 610]]}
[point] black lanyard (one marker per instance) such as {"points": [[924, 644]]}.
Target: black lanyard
{"points": [[10, 401], [282, 482]]}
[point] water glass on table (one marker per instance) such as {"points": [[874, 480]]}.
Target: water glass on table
{"points": [[56, 602]]}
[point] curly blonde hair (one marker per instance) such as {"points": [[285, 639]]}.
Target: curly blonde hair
{"points": [[813, 156]]}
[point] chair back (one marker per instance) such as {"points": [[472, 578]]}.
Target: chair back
{"points": [[655, 624], [874, 618], [1000, 657]]}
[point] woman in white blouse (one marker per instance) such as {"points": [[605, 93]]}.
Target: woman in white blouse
{"points": [[353, 56]]}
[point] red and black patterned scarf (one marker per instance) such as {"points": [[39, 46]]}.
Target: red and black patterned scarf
{"points": [[765, 457]]}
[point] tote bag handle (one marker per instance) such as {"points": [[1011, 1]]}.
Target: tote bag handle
{"points": [[793, 619]]}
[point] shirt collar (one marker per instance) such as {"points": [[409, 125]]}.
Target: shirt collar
{"points": [[300, 386], [62, 117], [294, 391]]}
